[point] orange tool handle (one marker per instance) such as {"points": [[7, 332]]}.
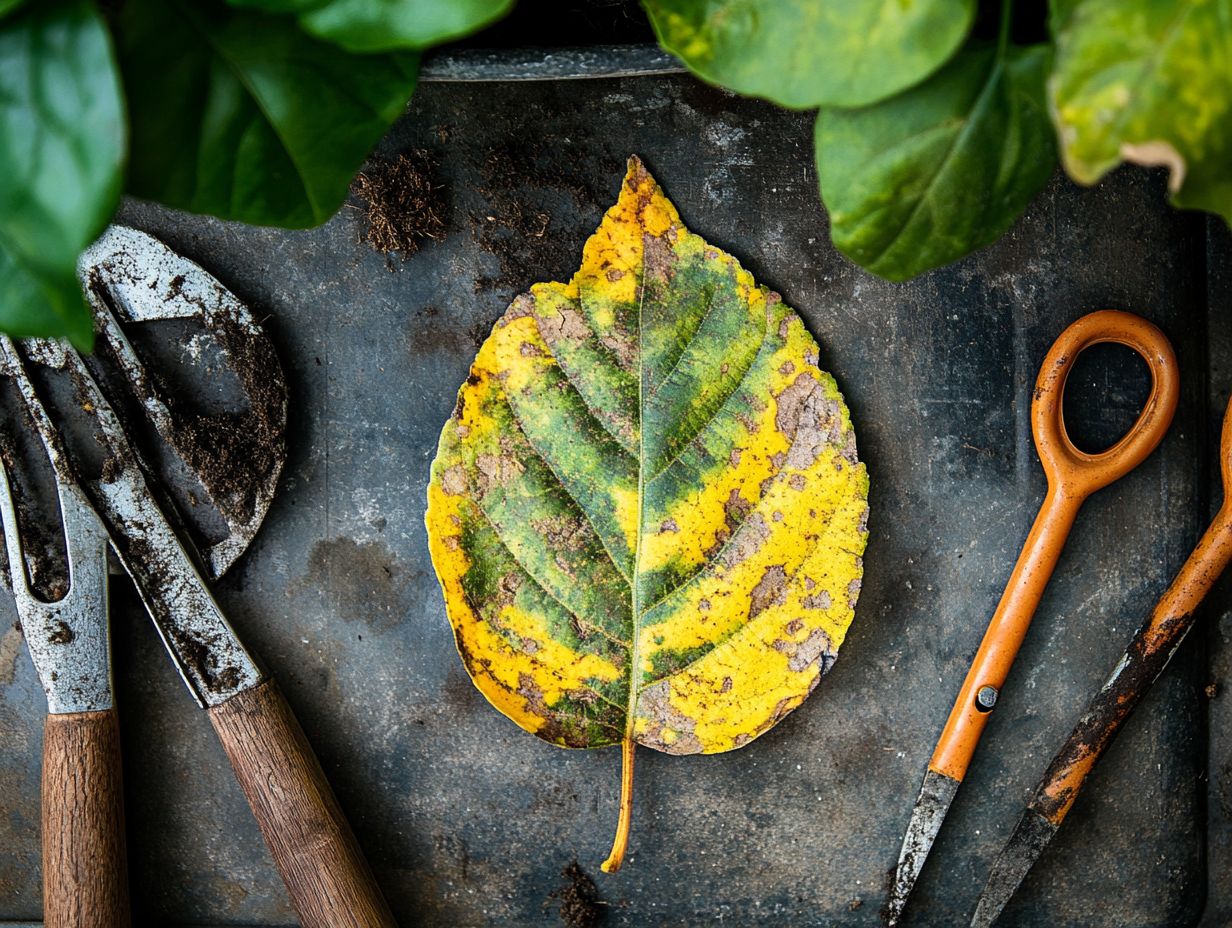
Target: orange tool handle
{"points": [[1073, 475], [1145, 658]]}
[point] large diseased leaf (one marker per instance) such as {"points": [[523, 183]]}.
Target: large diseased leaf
{"points": [[646, 512], [62, 145], [805, 53], [924, 178], [385, 25], [1151, 83], [243, 116]]}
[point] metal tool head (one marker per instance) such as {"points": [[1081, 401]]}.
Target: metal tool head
{"points": [[165, 567], [202, 373], [936, 795], [68, 637], [1016, 859]]}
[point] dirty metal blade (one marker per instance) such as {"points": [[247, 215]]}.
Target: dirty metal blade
{"points": [[131, 278], [208, 653], [1014, 862], [936, 794], [68, 638]]}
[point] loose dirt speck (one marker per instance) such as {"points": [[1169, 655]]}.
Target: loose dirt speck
{"points": [[579, 902]]}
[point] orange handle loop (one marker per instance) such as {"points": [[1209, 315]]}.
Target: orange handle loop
{"points": [[1073, 475]]}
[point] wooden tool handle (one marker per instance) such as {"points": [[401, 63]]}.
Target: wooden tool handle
{"points": [[85, 874], [313, 847]]}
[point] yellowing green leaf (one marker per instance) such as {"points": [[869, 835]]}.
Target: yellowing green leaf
{"points": [[1150, 83], [806, 53], [646, 513], [924, 178]]}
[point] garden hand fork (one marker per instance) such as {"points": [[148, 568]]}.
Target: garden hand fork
{"points": [[85, 883]]}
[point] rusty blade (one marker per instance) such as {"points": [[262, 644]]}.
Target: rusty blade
{"points": [[131, 278], [206, 650], [936, 794], [1016, 859]]}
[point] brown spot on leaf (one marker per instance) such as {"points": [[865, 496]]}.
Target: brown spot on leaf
{"points": [[771, 590], [453, 480], [655, 705], [809, 419], [819, 600], [567, 323], [498, 469]]}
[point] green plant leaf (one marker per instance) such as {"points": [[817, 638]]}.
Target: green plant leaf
{"points": [[926, 177], [8, 6], [1150, 83], [385, 25], [242, 115], [647, 513], [805, 53], [62, 146]]}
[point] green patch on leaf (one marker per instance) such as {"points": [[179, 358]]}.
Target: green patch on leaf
{"points": [[386, 25], [62, 150], [1149, 83], [243, 116], [929, 176], [804, 53]]}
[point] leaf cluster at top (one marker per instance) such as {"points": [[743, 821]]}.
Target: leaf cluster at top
{"points": [[935, 128], [936, 124], [255, 110]]}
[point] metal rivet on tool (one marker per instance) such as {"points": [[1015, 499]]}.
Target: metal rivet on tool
{"points": [[986, 698]]}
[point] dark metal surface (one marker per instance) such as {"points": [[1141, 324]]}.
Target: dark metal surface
{"points": [[467, 820]]}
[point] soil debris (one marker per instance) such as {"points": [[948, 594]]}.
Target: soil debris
{"points": [[523, 182], [403, 202], [580, 905]]}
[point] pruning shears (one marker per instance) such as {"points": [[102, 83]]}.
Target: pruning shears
{"points": [[1073, 475]]}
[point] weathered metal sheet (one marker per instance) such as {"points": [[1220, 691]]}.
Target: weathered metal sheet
{"points": [[469, 822]]}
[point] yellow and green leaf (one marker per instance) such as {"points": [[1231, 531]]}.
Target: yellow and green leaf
{"points": [[646, 512]]}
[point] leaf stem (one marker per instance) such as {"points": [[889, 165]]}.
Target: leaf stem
{"points": [[1007, 18], [617, 856]]}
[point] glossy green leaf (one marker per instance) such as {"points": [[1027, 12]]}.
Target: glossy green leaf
{"points": [[1150, 83], [62, 145], [805, 53], [647, 513], [384, 25], [242, 115], [928, 176]]}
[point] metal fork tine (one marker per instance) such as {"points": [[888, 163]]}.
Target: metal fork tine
{"points": [[12, 542], [68, 639]]}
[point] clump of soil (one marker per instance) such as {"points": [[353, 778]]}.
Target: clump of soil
{"points": [[403, 202], [580, 905]]}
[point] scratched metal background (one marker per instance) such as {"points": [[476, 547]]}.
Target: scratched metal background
{"points": [[467, 820]]}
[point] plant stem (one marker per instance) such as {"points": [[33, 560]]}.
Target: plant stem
{"points": [[617, 856], [1007, 18]]}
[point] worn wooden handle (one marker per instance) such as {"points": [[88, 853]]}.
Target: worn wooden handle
{"points": [[313, 847], [85, 875]]}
